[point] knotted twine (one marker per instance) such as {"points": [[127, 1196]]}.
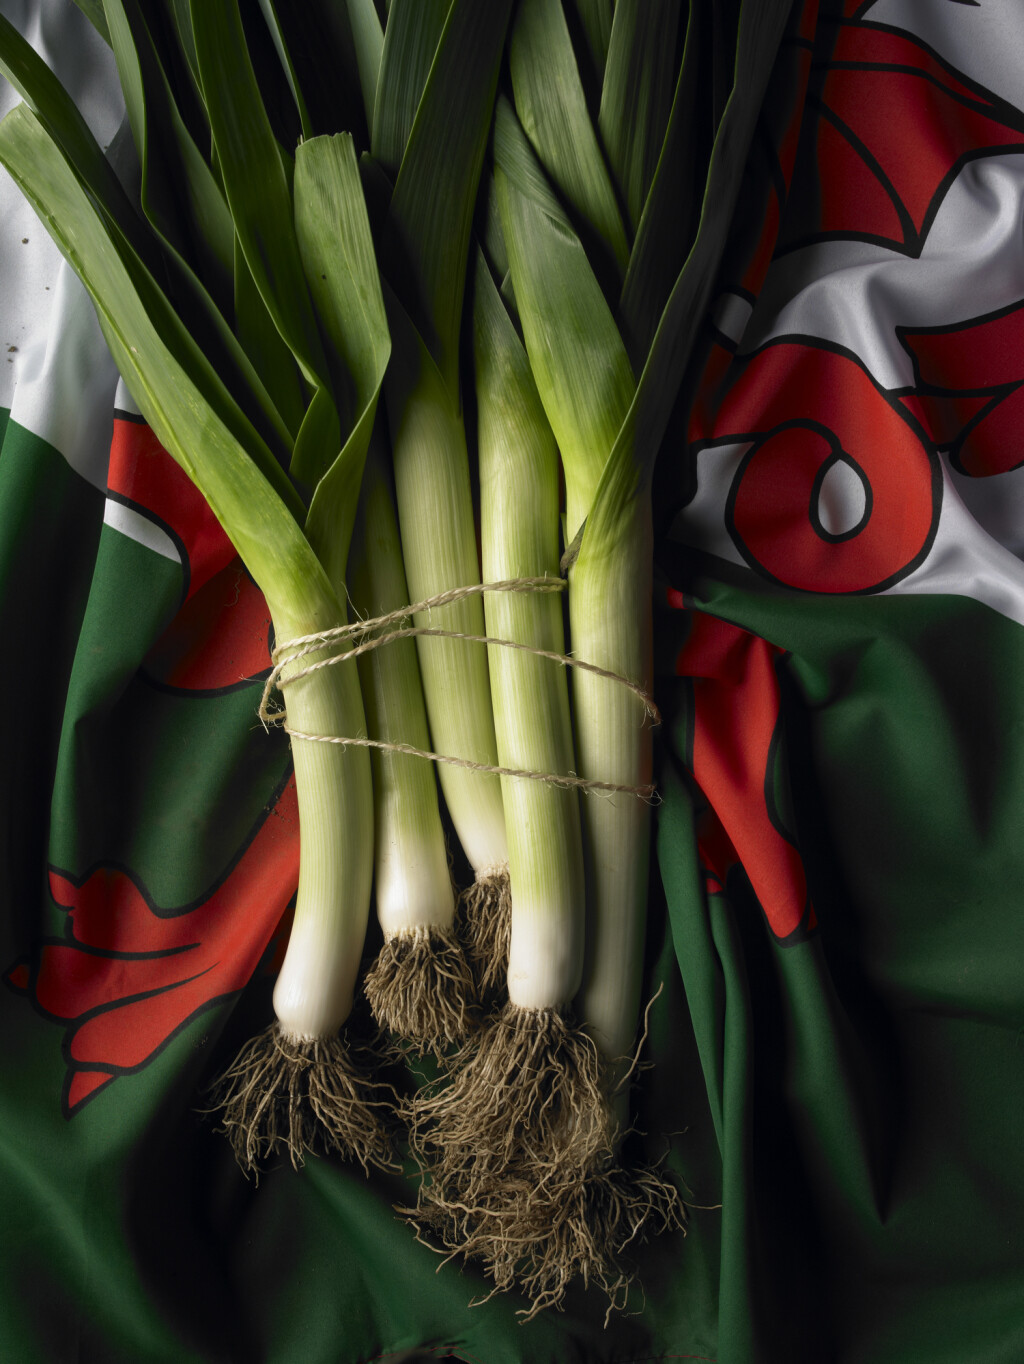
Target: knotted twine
{"points": [[293, 650]]}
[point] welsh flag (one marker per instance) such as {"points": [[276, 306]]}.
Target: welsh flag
{"points": [[837, 1070]]}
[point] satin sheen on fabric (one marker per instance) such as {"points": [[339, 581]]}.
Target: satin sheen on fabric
{"points": [[840, 634]]}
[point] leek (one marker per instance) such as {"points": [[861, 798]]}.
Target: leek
{"points": [[436, 156], [522, 1144], [587, 386], [524, 1101], [607, 356], [257, 323], [520, 530], [297, 1088], [420, 986], [435, 512]]}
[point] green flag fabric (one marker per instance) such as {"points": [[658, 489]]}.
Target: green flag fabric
{"points": [[835, 937], [842, 611]]}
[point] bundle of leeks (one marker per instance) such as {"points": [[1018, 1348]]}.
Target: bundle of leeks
{"points": [[331, 203]]}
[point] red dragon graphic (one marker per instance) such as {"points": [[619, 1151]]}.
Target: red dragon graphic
{"points": [[129, 974], [970, 387], [218, 639], [890, 124], [877, 130], [736, 709]]}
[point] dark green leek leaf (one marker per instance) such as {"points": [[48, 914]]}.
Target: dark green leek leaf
{"points": [[332, 512], [503, 369], [595, 16], [723, 19], [377, 192], [202, 204], [368, 37], [426, 239], [257, 179], [333, 231], [180, 15], [267, 350], [494, 252], [325, 68], [319, 439], [269, 11], [761, 27], [671, 212], [508, 294], [553, 111], [631, 464], [639, 81], [491, 236], [129, 74], [170, 23], [93, 11], [413, 31], [515, 156], [167, 377], [179, 195]]}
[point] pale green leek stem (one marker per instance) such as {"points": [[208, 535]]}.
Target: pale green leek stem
{"points": [[519, 510], [413, 885], [610, 621], [435, 513], [314, 990]]}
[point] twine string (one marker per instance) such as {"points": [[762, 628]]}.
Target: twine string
{"points": [[411, 631], [312, 643], [551, 778], [294, 650]]}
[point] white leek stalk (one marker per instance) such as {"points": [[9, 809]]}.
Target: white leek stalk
{"points": [[294, 1088], [304, 1076], [520, 534], [586, 384], [314, 991], [298, 1088], [420, 986], [522, 1117], [438, 530], [435, 156], [610, 594]]}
